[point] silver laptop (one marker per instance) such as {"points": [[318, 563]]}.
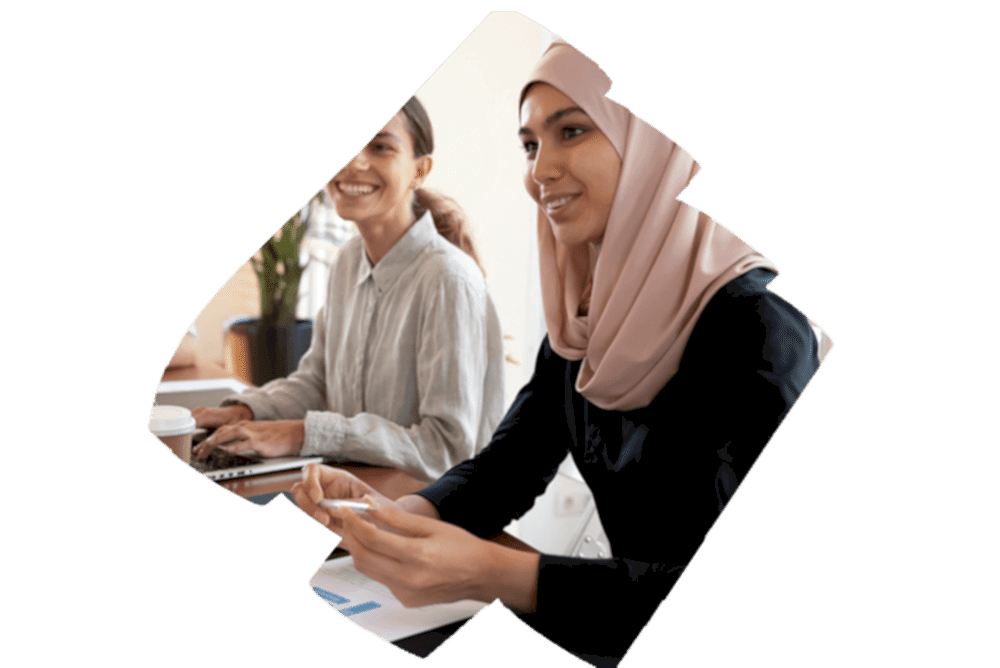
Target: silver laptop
{"points": [[221, 465]]}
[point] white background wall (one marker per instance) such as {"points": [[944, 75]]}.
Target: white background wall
{"points": [[472, 100]]}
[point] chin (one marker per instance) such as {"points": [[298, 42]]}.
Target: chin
{"points": [[346, 209], [570, 237]]}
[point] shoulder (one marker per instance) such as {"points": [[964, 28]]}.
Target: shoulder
{"points": [[351, 250], [746, 321], [347, 258], [746, 307], [444, 265]]}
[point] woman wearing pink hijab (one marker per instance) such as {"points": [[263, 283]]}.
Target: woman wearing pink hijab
{"points": [[667, 367]]}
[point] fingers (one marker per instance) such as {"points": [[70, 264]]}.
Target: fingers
{"points": [[395, 518], [208, 416], [197, 414], [375, 565], [242, 446], [224, 438], [333, 483], [203, 417], [388, 567], [308, 493], [311, 490], [365, 541], [370, 536], [311, 483], [325, 482], [208, 444], [314, 511]]}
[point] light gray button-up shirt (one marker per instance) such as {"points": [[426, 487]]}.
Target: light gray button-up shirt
{"points": [[405, 368]]}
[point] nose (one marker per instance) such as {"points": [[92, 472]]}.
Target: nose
{"points": [[360, 161], [547, 165]]}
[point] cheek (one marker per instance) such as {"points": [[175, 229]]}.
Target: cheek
{"points": [[607, 175], [531, 186], [399, 178], [610, 180], [412, 174]]}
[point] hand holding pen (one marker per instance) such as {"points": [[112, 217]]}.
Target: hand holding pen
{"points": [[356, 506], [323, 491]]}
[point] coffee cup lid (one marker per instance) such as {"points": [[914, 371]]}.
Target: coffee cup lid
{"points": [[171, 421]]}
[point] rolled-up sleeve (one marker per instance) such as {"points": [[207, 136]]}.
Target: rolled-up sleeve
{"points": [[304, 390], [405, 368], [453, 350]]}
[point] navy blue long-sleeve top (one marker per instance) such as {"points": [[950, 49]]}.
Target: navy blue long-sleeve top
{"points": [[679, 459]]}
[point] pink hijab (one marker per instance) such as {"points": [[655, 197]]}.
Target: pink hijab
{"points": [[657, 266]]}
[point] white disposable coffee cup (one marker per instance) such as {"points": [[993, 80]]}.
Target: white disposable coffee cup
{"points": [[173, 425]]}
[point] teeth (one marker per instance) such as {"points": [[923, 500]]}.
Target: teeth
{"points": [[356, 189], [556, 203]]}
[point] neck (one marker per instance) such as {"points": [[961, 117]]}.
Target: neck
{"points": [[380, 237]]}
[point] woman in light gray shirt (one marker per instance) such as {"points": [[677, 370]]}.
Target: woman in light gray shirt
{"points": [[405, 368]]}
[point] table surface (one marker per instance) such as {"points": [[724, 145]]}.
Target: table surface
{"points": [[392, 483], [198, 371]]}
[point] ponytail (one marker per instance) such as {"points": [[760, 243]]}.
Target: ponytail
{"points": [[449, 219]]}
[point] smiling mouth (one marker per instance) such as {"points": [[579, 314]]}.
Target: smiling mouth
{"points": [[556, 203], [356, 189]]}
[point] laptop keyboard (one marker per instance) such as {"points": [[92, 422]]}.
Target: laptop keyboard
{"points": [[220, 459]]}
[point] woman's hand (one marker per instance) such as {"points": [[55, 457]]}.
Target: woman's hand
{"points": [[269, 438], [423, 560], [326, 482], [207, 416]]}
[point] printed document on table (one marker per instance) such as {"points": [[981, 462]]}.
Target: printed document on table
{"points": [[372, 605]]}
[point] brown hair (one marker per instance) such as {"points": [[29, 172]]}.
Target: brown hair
{"points": [[449, 219]]}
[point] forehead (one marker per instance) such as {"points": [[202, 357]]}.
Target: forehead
{"points": [[540, 102], [398, 128]]}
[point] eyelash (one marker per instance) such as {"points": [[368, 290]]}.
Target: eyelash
{"points": [[531, 146]]}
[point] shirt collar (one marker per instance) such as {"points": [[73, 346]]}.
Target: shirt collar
{"points": [[400, 256]]}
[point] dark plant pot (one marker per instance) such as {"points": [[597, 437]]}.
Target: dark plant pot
{"points": [[275, 351]]}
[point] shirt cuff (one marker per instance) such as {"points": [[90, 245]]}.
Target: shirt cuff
{"points": [[259, 408], [325, 431]]}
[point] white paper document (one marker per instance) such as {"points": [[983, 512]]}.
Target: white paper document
{"points": [[372, 605]]}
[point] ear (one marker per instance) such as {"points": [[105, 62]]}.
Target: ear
{"points": [[424, 165]]}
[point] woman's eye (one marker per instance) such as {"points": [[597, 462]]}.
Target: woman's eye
{"points": [[569, 133], [530, 146]]}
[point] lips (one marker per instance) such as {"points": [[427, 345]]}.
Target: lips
{"points": [[556, 202], [356, 189]]}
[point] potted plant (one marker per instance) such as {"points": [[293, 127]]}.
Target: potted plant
{"points": [[277, 340]]}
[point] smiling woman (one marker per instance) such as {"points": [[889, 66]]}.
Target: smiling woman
{"points": [[667, 366], [380, 189], [405, 368], [375, 190], [572, 169]]}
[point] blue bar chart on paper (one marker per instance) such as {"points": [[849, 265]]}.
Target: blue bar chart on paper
{"points": [[372, 606]]}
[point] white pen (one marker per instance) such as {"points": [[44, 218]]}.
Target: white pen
{"points": [[356, 506]]}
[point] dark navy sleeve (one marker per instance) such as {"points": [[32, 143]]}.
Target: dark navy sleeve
{"points": [[485, 493], [746, 362]]}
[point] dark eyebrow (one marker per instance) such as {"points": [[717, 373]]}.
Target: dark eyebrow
{"points": [[553, 118], [386, 134]]}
